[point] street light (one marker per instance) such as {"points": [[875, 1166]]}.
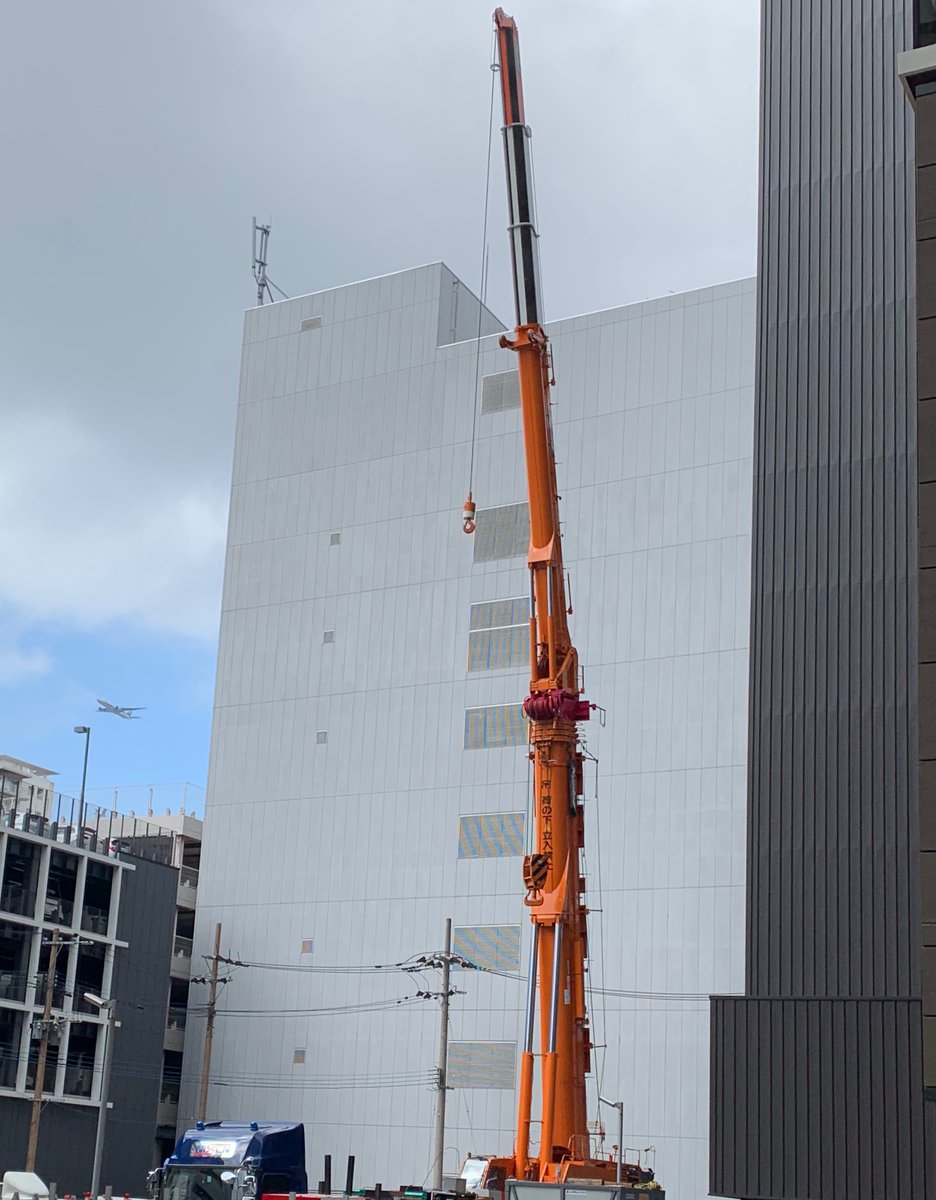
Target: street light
{"points": [[108, 1006], [619, 1105], [86, 730]]}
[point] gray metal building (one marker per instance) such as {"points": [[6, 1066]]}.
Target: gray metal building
{"points": [[368, 774], [817, 1073]]}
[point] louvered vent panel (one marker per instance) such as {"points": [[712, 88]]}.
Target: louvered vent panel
{"points": [[482, 1064], [494, 727], [502, 533], [489, 649], [491, 835], [500, 392], [308, 323], [495, 614], [490, 947]]}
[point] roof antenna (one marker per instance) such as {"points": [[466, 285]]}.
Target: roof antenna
{"points": [[265, 285]]}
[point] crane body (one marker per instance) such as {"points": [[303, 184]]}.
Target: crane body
{"points": [[553, 874]]}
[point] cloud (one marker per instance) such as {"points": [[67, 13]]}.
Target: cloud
{"points": [[17, 664], [152, 134], [91, 534]]}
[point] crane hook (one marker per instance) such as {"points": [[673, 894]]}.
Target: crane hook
{"points": [[468, 522]]}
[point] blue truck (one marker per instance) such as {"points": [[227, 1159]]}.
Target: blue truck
{"points": [[233, 1160]]}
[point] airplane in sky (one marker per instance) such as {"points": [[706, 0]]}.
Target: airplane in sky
{"points": [[105, 706]]}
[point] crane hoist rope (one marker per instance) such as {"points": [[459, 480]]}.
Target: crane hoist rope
{"points": [[468, 517]]}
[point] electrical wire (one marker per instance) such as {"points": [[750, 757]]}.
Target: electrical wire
{"points": [[331, 1011], [342, 969]]}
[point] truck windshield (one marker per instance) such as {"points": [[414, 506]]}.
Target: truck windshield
{"points": [[195, 1183]]}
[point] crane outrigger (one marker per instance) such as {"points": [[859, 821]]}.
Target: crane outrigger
{"points": [[553, 875]]}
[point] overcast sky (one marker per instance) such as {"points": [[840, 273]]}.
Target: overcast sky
{"points": [[138, 142]]}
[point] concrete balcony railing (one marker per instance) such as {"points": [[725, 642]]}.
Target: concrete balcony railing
{"points": [[188, 887], [174, 1038], [167, 1111], [181, 965]]}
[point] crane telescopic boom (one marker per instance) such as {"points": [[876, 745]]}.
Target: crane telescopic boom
{"points": [[553, 874]]}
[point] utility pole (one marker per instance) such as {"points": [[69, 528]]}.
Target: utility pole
{"points": [[209, 1030], [41, 1061], [439, 1147]]}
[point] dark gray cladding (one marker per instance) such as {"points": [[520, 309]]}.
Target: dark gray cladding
{"points": [[832, 818], [826, 1110]]}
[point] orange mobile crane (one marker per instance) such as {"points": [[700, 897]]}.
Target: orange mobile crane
{"points": [[555, 884]]}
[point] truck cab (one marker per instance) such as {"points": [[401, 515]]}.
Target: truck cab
{"points": [[232, 1160]]}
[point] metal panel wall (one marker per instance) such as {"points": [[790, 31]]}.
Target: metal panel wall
{"points": [[833, 881], [363, 430], [827, 1113]]}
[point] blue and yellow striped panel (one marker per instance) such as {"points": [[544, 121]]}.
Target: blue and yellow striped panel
{"points": [[482, 1064], [489, 649], [490, 947], [495, 726], [495, 614], [502, 533], [491, 835]]}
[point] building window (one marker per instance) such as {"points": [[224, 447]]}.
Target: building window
{"points": [[95, 907], [500, 392], [299, 1058], [495, 726], [924, 22], [502, 532], [328, 636], [306, 946], [321, 737], [79, 1061], [482, 1064], [89, 975], [489, 947], [11, 1031], [60, 892], [14, 960], [20, 877], [335, 539], [491, 835], [499, 634]]}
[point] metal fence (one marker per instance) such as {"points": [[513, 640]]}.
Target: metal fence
{"points": [[65, 819]]}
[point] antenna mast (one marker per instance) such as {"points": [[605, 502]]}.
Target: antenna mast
{"points": [[265, 285]]}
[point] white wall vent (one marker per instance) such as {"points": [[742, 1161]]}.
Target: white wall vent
{"points": [[500, 392], [308, 323], [482, 1065]]}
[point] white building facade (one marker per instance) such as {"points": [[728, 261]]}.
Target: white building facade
{"points": [[368, 773]]}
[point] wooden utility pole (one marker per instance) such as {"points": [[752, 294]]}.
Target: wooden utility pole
{"points": [[209, 1030], [33, 1143], [439, 1140]]}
